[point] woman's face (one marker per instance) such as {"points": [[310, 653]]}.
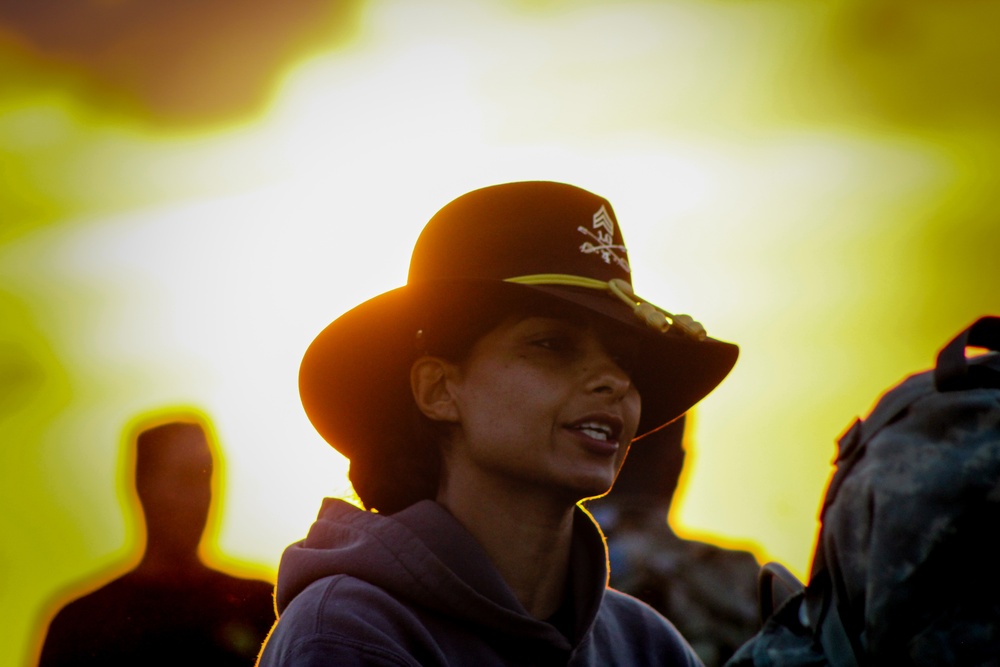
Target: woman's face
{"points": [[544, 402]]}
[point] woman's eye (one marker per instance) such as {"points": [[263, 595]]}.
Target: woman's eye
{"points": [[554, 343]]}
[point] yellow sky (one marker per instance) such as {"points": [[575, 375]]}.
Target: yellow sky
{"points": [[839, 241]]}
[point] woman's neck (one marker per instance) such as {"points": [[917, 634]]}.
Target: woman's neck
{"points": [[526, 536]]}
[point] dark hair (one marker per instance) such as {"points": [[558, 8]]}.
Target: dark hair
{"points": [[412, 470], [409, 474]]}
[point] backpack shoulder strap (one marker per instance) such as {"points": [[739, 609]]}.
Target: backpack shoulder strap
{"points": [[824, 598], [775, 585]]}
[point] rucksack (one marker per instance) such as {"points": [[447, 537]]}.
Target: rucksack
{"points": [[906, 569]]}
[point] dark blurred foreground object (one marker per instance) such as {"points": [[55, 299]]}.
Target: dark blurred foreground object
{"points": [[171, 609], [708, 592], [907, 567]]}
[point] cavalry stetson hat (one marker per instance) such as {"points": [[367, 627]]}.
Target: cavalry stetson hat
{"points": [[536, 242]]}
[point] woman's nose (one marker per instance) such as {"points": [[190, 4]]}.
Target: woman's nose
{"points": [[605, 375]]}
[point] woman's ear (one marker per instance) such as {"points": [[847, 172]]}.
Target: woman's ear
{"points": [[431, 389]]}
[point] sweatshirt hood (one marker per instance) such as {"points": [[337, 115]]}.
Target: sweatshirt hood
{"points": [[425, 558]]}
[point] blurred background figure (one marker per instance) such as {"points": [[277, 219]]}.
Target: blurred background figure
{"points": [[708, 592], [171, 609]]}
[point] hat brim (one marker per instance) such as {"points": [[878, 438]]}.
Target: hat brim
{"points": [[354, 380]]}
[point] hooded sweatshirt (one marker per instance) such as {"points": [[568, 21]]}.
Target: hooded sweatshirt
{"points": [[416, 588]]}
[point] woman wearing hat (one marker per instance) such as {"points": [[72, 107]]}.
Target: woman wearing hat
{"points": [[478, 405]]}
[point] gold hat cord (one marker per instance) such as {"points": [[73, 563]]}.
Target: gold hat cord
{"points": [[652, 315]]}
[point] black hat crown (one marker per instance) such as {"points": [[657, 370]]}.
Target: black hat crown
{"points": [[522, 229]]}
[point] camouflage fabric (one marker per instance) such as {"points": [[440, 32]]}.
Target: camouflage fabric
{"points": [[784, 641], [914, 527], [907, 569], [708, 592]]}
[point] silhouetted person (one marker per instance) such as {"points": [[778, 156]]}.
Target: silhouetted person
{"points": [[171, 609], [709, 593]]}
